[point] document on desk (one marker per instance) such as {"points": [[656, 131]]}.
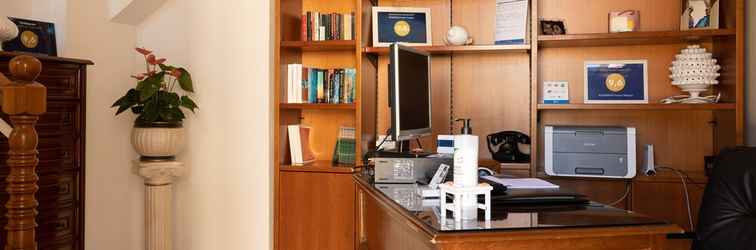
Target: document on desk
{"points": [[522, 183], [511, 21]]}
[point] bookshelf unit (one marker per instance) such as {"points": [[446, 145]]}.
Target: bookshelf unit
{"points": [[499, 88]]}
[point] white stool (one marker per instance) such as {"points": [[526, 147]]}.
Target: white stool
{"points": [[458, 194]]}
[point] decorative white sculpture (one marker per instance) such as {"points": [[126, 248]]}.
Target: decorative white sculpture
{"points": [[694, 71], [457, 35], [8, 31]]}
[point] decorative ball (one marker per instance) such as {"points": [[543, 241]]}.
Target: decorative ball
{"points": [[694, 70], [457, 36], [8, 31]]}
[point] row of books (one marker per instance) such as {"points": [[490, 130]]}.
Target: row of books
{"points": [[312, 85], [318, 26], [301, 153]]}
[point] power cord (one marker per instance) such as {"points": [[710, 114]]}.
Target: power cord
{"points": [[388, 131], [683, 176], [624, 196]]}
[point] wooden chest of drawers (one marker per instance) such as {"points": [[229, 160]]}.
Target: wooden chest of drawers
{"points": [[61, 154]]}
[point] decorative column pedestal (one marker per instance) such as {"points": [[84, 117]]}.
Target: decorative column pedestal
{"points": [[158, 202]]}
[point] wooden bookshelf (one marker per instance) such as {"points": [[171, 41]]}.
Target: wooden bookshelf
{"points": [[632, 38], [321, 167], [334, 45], [716, 106], [445, 49], [320, 106]]}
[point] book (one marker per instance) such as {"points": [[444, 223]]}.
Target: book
{"points": [[313, 85], [318, 26], [299, 145], [345, 146]]}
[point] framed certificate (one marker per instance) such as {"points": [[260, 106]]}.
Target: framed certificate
{"points": [[618, 82], [34, 37], [409, 26]]}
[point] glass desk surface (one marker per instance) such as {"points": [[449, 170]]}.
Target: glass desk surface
{"points": [[508, 217]]}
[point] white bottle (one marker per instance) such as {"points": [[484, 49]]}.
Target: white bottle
{"points": [[466, 167]]}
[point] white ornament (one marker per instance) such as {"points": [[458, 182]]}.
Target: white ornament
{"points": [[694, 71], [457, 35], [8, 31]]}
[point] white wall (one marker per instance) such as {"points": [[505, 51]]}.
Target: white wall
{"points": [[750, 83], [225, 202]]}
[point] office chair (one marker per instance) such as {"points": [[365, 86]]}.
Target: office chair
{"points": [[727, 219]]}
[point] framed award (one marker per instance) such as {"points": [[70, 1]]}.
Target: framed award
{"points": [[408, 26], [616, 82], [34, 37]]}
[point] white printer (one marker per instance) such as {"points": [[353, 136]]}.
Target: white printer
{"points": [[605, 152]]}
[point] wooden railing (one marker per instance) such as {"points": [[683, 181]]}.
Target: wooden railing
{"points": [[23, 100]]}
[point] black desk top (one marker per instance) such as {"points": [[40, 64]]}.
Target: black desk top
{"points": [[427, 212]]}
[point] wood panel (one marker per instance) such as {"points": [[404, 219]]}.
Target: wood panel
{"points": [[319, 211], [477, 17], [326, 6], [567, 64], [493, 91], [667, 200], [582, 17]]}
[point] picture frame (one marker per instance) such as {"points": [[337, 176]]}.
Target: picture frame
{"points": [[699, 14], [552, 27], [615, 82], [33, 37], [406, 25]]}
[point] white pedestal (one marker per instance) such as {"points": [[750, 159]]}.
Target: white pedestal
{"points": [[462, 194], [158, 210]]}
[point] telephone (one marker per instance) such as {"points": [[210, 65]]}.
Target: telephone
{"points": [[509, 147]]}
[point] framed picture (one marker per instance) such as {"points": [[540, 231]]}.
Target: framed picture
{"points": [[700, 14], [409, 26], [552, 27], [617, 82], [34, 37]]}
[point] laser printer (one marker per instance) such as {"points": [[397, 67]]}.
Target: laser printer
{"points": [[579, 151]]}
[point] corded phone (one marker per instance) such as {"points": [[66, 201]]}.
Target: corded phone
{"points": [[509, 147]]}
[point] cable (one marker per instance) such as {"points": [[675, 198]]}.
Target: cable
{"points": [[420, 145], [388, 131], [685, 189], [624, 196]]}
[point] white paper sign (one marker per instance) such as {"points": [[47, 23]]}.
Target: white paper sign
{"points": [[511, 21]]}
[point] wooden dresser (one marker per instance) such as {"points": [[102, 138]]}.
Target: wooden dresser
{"points": [[61, 154]]}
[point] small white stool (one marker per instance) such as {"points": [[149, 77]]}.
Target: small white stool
{"points": [[458, 194]]}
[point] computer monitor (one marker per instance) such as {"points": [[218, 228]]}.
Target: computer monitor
{"points": [[409, 93]]}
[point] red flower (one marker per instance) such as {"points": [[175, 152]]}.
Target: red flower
{"points": [[151, 59], [143, 51], [138, 77], [175, 73], [160, 61]]}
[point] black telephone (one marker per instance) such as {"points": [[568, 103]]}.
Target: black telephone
{"points": [[508, 147]]}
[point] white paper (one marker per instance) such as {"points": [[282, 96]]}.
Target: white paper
{"points": [[5, 128], [511, 21], [522, 183]]}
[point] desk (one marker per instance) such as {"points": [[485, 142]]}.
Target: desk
{"points": [[392, 217]]}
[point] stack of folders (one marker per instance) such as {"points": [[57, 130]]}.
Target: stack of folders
{"points": [[318, 26], [345, 147], [299, 145], [311, 85]]}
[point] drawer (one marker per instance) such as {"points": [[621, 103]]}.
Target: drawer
{"points": [[62, 81], [59, 244], [56, 191], [59, 223]]}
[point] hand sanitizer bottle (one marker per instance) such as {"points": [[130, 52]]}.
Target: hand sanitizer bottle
{"points": [[466, 167]]}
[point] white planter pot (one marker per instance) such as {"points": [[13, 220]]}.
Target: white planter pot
{"points": [[158, 141]]}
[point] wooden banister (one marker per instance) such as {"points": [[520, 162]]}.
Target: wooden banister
{"points": [[24, 100]]}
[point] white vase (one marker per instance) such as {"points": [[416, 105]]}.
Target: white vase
{"points": [[694, 70], [158, 141], [8, 31]]}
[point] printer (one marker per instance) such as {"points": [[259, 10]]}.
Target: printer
{"points": [[605, 152]]}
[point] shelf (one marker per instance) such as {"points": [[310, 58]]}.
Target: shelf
{"points": [[319, 106], [444, 50], [321, 167], [631, 38], [715, 106], [331, 45]]}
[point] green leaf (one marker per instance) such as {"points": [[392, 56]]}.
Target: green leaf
{"points": [[169, 97], [150, 86], [171, 115], [129, 97], [185, 80], [151, 112], [187, 102], [166, 67], [137, 109]]}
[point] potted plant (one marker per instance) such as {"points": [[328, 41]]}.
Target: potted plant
{"points": [[158, 132]]}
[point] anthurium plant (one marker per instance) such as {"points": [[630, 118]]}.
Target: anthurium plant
{"points": [[155, 97]]}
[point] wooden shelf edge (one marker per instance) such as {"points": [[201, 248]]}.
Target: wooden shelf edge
{"points": [[321, 167], [320, 45], [319, 106], [714, 106], [630, 38], [443, 49]]}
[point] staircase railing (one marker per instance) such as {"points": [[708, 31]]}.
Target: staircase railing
{"points": [[23, 100]]}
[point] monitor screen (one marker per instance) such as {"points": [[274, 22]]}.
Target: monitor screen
{"points": [[411, 95]]}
